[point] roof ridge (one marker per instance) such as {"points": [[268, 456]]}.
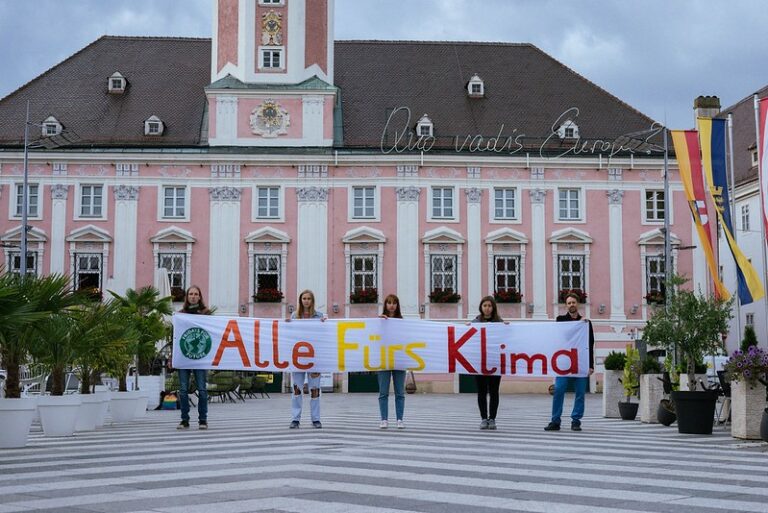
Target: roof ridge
{"points": [[430, 42], [732, 107], [156, 38]]}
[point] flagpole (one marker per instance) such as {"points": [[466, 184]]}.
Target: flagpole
{"points": [[762, 204], [732, 196], [667, 236]]}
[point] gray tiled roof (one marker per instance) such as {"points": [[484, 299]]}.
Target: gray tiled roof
{"points": [[526, 91], [744, 136]]}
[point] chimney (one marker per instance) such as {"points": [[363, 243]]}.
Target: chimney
{"points": [[706, 107]]}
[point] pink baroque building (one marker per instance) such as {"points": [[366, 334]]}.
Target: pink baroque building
{"points": [[272, 159]]}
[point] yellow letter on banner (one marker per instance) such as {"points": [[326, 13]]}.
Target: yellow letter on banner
{"points": [[342, 344]]}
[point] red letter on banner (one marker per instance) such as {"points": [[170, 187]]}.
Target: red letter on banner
{"points": [[237, 343], [453, 349], [573, 356]]}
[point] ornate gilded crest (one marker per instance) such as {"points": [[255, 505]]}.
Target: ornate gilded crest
{"points": [[272, 24], [270, 119]]}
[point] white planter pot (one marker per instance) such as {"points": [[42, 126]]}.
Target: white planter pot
{"points": [[90, 409], [747, 405], [613, 392], [651, 393], [123, 406], [152, 385], [58, 414], [15, 420], [141, 403], [104, 397]]}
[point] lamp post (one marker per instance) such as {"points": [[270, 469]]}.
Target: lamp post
{"points": [[25, 200]]}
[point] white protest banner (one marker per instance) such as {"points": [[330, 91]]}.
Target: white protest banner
{"points": [[344, 345]]}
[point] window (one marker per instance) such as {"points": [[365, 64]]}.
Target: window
{"points": [[425, 127], [14, 262], [654, 205], [116, 83], [568, 204], [568, 130], [571, 272], [267, 272], [476, 87], [363, 202], [271, 58], [153, 126], [175, 264], [504, 203], [33, 197], [442, 202], [174, 202], [364, 270], [443, 272], [655, 275], [270, 2], [507, 273], [88, 271], [268, 202], [91, 198], [750, 321], [51, 126], [745, 218], [754, 157]]}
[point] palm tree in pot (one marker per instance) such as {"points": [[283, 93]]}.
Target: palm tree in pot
{"points": [[691, 325]]}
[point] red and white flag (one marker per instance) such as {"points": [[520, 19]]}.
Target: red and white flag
{"points": [[762, 155]]}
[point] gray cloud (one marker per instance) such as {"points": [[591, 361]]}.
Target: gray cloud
{"points": [[656, 55]]}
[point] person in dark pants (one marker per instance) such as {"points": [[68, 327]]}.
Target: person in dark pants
{"points": [[579, 384], [488, 386], [193, 304]]}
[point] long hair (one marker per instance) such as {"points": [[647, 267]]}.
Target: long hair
{"points": [[392, 299], [200, 308], [300, 313], [495, 317]]}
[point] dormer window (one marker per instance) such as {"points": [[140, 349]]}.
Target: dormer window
{"points": [[153, 126], [568, 130], [754, 157], [476, 87], [51, 126], [116, 83], [425, 128]]}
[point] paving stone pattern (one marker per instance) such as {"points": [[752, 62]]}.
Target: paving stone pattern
{"points": [[249, 461]]}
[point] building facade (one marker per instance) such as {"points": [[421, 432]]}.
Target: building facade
{"points": [[272, 159]]}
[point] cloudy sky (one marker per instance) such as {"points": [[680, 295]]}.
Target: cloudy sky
{"points": [[656, 55]]}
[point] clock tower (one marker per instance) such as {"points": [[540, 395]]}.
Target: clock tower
{"points": [[271, 73]]}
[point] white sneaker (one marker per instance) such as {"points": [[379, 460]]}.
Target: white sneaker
{"points": [[383, 424], [400, 424]]}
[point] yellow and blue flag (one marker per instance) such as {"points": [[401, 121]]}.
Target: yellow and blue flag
{"points": [[712, 139]]}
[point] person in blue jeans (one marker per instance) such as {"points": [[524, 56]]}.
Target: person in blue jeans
{"points": [[579, 384], [193, 304], [391, 310], [306, 310]]}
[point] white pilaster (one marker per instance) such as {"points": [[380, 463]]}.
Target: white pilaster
{"points": [[126, 221], [408, 250], [312, 126], [312, 244], [474, 251], [616, 254], [539, 254], [224, 251], [226, 118], [58, 228]]}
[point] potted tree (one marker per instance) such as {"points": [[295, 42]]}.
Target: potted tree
{"points": [[612, 389], [19, 308], [746, 370], [631, 382], [692, 325]]}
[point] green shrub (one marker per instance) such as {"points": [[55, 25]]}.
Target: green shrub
{"points": [[651, 365], [749, 340], [615, 360]]}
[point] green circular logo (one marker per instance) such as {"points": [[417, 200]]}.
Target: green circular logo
{"points": [[195, 343]]}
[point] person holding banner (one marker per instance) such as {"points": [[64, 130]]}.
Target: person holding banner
{"points": [[306, 310], [391, 309], [193, 304], [579, 384], [488, 386]]}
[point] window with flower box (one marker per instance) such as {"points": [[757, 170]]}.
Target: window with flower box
{"points": [[655, 279], [267, 278], [364, 278], [571, 275], [87, 273], [507, 279], [443, 279]]}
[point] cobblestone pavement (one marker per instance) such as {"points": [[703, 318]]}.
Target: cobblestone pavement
{"points": [[249, 461]]}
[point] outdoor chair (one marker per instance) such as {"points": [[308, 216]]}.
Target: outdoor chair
{"points": [[723, 409], [32, 380]]}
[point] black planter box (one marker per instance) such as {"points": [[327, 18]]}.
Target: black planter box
{"points": [[695, 411]]}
